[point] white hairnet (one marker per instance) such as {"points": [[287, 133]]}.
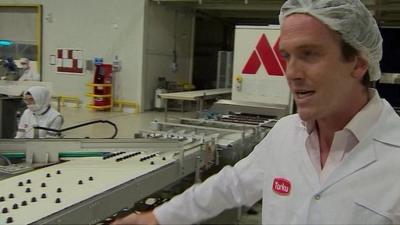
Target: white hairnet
{"points": [[351, 19], [24, 60], [41, 96]]}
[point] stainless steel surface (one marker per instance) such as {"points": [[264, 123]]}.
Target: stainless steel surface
{"points": [[224, 69], [199, 96], [390, 78], [233, 141], [273, 110]]}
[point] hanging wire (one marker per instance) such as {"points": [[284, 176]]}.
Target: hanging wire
{"points": [[59, 132]]}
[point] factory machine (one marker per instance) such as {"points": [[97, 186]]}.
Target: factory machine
{"points": [[85, 181], [93, 181], [233, 141]]}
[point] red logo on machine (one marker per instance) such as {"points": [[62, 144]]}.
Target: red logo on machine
{"points": [[281, 186], [266, 55]]}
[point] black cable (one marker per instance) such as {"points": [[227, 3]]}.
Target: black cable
{"points": [[5, 159], [81, 125]]}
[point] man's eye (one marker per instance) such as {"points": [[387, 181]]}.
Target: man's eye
{"points": [[284, 55], [309, 53]]}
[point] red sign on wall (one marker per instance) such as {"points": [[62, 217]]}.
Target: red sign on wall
{"points": [[70, 61]]}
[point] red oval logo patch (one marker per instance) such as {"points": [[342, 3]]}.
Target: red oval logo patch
{"points": [[281, 186]]}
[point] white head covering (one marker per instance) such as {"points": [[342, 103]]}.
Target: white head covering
{"points": [[351, 19], [24, 60], [41, 96]]}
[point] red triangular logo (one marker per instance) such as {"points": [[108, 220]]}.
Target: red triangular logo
{"points": [[264, 54]]}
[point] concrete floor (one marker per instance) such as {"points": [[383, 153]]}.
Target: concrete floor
{"points": [[128, 124]]}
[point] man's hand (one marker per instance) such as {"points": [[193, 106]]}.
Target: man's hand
{"points": [[146, 218]]}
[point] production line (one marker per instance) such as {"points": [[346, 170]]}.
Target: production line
{"points": [[233, 141], [50, 187], [88, 190]]}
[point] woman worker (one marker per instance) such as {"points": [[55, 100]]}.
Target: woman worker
{"points": [[38, 113]]}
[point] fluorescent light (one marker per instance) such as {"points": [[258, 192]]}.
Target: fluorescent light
{"points": [[6, 42]]}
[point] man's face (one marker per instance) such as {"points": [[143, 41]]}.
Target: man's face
{"points": [[321, 81]]}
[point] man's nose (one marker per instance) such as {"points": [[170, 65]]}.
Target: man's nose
{"points": [[294, 69]]}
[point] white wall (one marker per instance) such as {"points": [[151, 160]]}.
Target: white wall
{"points": [[102, 28], [166, 29], [105, 28]]}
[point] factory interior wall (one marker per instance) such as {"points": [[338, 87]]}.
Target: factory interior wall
{"points": [[166, 30], [142, 33], [101, 28]]}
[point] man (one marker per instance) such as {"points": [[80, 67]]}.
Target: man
{"points": [[28, 72], [335, 162], [38, 113]]}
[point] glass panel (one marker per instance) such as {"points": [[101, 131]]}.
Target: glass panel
{"points": [[20, 25]]}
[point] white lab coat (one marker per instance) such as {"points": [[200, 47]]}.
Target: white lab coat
{"points": [[51, 119], [364, 189], [29, 74]]}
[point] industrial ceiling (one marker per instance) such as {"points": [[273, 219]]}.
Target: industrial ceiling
{"points": [[387, 12]]}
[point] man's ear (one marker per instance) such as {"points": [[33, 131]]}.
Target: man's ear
{"points": [[360, 67]]}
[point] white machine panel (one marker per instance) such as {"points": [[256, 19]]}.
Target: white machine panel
{"points": [[258, 69], [63, 185]]}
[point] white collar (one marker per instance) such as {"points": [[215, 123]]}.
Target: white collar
{"points": [[363, 120]]}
